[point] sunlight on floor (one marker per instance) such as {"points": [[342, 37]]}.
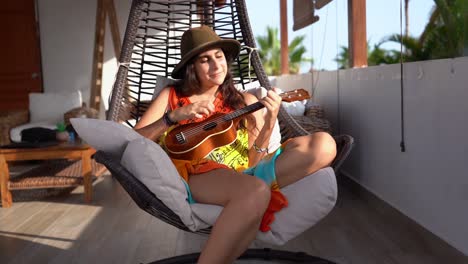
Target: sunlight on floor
{"points": [[62, 232]]}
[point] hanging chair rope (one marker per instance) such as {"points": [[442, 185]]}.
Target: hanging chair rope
{"points": [[402, 103], [251, 50]]}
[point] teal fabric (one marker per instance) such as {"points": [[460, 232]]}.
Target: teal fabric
{"points": [[190, 199], [265, 169]]}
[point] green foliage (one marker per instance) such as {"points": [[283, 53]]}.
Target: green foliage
{"points": [[375, 56], [445, 36], [343, 58], [270, 52], [378, 56], [413, 49]]}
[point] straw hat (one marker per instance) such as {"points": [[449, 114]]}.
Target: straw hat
{"points": [[200, 39]]}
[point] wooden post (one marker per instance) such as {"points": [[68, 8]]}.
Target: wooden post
{"points": [[284, 37], [104, 8], [98, 57], [357, 38], [114, 27]]}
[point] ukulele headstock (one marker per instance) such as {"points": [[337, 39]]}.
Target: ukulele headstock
{"points": [[295, 95]]}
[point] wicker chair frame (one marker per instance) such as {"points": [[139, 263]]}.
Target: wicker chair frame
{"points": [[149, 53]]}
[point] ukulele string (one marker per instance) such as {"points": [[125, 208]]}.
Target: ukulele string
{"points": [[199, 128]]}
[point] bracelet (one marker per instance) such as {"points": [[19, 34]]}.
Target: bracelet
{"points": [[167, 120], [259, 150]]}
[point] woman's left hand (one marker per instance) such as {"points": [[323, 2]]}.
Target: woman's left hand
{"points": [[272, 103]]}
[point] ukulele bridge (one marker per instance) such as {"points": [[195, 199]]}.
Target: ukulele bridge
{"points": [[180, 138]]}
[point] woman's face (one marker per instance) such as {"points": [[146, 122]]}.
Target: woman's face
{"points": [[211, 68]]}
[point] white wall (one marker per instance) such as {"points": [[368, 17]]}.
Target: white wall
{"points": [[67, 31], [428, 182]]}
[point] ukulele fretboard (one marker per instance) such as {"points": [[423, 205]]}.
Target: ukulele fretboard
{"points": [[243, 111]]}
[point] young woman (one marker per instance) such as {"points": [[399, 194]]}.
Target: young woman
{"points": [[206, 87]]}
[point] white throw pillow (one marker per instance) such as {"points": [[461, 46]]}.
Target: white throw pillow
{"points": [[108, 136], [50, 107], [310, 200], [148, 162], [296, 108]]}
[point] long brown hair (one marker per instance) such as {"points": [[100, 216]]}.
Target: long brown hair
{"points": [[190, 84]]}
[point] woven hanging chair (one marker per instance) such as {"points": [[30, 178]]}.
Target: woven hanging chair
{"points": [[149, 53]]}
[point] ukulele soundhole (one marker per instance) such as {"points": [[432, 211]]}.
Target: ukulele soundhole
{"points": [[209, 126], [180, 138]]}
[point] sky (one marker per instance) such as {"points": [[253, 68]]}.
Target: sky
{"points": [[325, 37]]}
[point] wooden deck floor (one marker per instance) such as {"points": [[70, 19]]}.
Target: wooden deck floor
{"points": [[114, 230]]}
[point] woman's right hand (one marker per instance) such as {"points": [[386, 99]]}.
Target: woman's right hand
{"points": [[193, 110], [272, 103]]}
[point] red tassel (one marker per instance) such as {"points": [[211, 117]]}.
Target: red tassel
{"points": [[277, 202]]}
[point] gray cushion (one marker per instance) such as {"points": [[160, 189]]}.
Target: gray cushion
{"points": [[108, 136], [310, 199]]}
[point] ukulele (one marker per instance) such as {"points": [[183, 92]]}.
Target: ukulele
{"points": [[197, 140]]}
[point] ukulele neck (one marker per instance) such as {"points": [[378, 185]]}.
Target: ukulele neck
{"points": [[291, 96], [243, 111]]}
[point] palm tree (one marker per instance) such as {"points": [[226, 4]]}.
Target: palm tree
{"points": [[296, 54], [414, 50], [378, 56], [343, 58], [445, 35], [375, 56], [269, 51]]}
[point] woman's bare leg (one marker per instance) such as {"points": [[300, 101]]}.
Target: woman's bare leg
{"points": [[245, 199], [303, 156]]}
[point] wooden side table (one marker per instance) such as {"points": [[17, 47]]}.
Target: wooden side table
{"points": [[70, 151]]}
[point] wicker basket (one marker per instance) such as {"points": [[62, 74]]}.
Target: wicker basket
{"points": [[80, 112], [9, 120], [51, 178], [314, 120], [314, 111]]}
